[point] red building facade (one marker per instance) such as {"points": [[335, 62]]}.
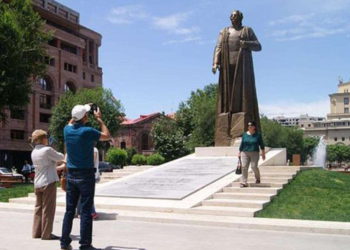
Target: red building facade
{"points": [[137, 134], [72, 64]]}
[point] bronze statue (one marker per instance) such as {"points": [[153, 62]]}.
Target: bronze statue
{"points": [[237, 101]]}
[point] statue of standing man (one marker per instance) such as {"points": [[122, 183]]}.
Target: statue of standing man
{"points": [[237, 101]]}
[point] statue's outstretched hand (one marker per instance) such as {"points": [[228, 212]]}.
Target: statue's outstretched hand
{"points": [[214, 69]]}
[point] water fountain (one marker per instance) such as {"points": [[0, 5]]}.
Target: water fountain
{"points": [[319, 154]]}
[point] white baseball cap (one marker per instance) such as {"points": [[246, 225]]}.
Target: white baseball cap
{"points": [[79, 111]]}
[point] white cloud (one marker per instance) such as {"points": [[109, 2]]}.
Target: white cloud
{"points": [[127, 14], [294, 108], [184, 40], [174, 24], [325, 20]]}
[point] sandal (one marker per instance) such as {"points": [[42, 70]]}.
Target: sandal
{"points": [[243, 185]]}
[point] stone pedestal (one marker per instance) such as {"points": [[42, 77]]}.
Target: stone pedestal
{"points": [[228, 127]]}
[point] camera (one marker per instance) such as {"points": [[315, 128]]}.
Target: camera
{"points": [[93, 108]]}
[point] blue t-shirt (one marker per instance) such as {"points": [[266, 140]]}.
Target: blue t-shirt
{"points": [[80, 140]]}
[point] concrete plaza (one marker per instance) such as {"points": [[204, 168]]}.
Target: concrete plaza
{"points": [[15, 233]]}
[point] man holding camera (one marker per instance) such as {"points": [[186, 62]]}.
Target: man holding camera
{"points": [[80, 140]]}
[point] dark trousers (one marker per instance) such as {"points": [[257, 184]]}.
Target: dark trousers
{"points": [[80, 183]]}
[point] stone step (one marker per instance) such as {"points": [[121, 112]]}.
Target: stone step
{"points": [[224, 211], [269, 175], [270, 180], [261, 185], [304, 226], [103, 214], [291, 168], [268, 171], [260, 190], [259, 204], [243, 196]]}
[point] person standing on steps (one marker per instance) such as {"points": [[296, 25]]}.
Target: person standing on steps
{"points": [[249, 152], [80, 140]]}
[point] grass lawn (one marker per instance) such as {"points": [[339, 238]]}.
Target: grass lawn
{"points": [[313, 195], [19, 190]]}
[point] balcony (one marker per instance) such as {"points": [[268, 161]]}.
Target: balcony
{"points": [[45, 105]]}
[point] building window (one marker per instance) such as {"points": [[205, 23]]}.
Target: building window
{"points": [[144, 142], [346, 110], [69, 86], [70, 67], [17, 134], [123, 145], [45, 118], [45, 83], [69, 48], [49, 61], [84, 75], [346, 100], [92, 78], [335, 139], [343, 138], [53, 42], [45, 101], [17, 114]]}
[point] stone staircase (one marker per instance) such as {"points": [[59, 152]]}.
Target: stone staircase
{"points": [[245, 202], [105, 177], [231, 201]]}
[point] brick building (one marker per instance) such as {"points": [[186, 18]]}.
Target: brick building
{"points": [[72, 64], [136, 134]]}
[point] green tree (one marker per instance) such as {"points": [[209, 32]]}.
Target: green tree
{"points": [[169, 139], [196, 117], [117, 156], [110, 107], [310, 143], [338, 153], [22, 53], [273, 133]]}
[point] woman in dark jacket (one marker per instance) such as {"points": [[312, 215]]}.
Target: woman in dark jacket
{"points": [[249, 150]]}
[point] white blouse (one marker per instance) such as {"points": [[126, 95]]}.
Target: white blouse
{"points": [[44, 159]]}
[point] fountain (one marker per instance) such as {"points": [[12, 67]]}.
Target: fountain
{"points": [[319, 154]]}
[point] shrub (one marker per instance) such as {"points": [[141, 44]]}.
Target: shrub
{"points": [[155, 159], [131, 152], [117, 156], [138, 159]]}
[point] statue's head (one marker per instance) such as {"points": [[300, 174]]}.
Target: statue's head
{"points": [[236, 17]]}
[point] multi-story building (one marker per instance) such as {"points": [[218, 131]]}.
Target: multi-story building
{"points": [[72, 64], [336, 129], [302, 121]]}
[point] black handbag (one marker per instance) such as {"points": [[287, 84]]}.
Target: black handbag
{"points": [[239, 166]]}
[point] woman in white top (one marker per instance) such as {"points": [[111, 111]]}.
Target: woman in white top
{"points": [[44, 160]]}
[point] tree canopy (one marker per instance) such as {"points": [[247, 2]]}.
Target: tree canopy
{"points": [[169, 139], [22, 53], [196, 117], [111, 109]]}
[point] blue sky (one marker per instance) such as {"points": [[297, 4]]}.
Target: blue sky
{"points": [[155, 52]]}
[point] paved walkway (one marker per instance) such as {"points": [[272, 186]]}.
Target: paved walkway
{"points": [[15, 233]]}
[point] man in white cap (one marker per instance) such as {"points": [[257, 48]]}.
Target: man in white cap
{"points": [[80, 140]]}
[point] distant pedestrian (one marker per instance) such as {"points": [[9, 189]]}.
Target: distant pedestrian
{"points": [[249, 149], [44, 159], [80, 140], [26, 170]]}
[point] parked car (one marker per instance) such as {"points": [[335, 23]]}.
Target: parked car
{"points": [[8, 176], [104, 166]]}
